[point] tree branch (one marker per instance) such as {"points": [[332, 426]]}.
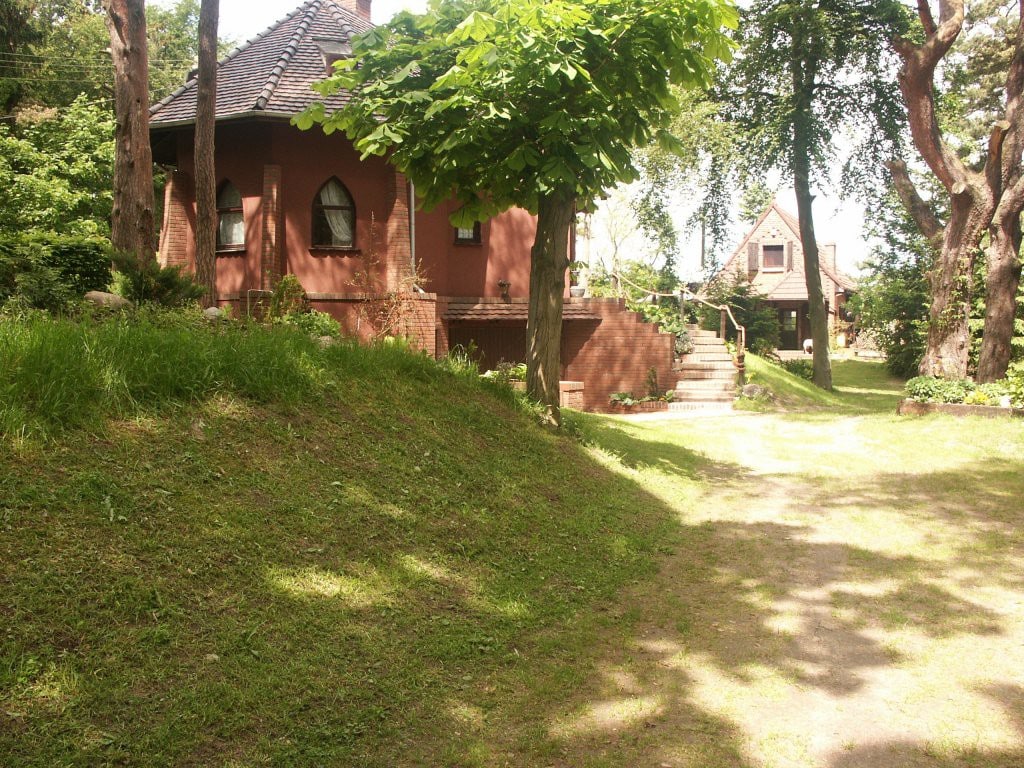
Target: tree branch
{"points": [[918, 209], [924, 10], [994, 164]]}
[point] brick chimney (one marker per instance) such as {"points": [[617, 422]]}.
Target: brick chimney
{"points": [[358, 7]]}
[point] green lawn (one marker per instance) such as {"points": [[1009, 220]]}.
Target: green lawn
{"points": [[384, 575]]}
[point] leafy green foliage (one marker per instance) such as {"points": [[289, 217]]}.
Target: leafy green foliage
{"points": [[802, 368], [503, 103], [287, 298], [315, 323], [893, 296], [748, 306], [55, 175], [47, 271], [153, 284]]}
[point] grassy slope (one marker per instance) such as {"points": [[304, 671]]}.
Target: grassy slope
{"points": [[860, 386], [402, 571]]}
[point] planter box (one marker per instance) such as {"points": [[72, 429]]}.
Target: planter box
{"points": [[914, 408]]}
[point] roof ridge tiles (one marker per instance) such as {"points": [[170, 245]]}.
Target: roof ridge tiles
{"points": [[232, 54], [274, 78]]}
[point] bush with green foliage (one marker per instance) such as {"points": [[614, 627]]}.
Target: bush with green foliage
{"points": [[151, 283], [313, 322], [287, 298], [47, 271], [802, 368], [929, 389], [748, 306]]}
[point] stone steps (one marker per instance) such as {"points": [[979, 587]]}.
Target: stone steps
{"points": [[707, 375]]}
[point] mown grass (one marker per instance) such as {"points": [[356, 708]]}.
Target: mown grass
{"points": [[859, 386], [293, 556]]}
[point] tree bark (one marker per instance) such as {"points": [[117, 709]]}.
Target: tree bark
{"points": [[1002, 280], [804, 73], [1001, 285], [205, 168], [948, 346], [549, 259], [132, 226], [973, 196]]}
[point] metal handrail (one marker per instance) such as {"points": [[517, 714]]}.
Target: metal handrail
{"points": [[725, 309]]}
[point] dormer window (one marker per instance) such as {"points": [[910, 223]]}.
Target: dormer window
{"points": [[774, 256], [333, 49], [230, 218]]}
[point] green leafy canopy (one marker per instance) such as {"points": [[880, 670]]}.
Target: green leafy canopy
{"points": [[503, 103]]}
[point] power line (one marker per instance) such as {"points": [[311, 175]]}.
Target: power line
{"points": [[51, 57]]}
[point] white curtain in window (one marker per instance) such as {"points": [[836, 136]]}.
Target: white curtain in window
{"points": [[340, 221], [231, 228], [230, 224]]}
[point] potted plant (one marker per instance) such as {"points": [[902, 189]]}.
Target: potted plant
{"points": [[577, 279]]}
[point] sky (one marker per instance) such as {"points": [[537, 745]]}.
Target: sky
{"points": [[835, 221]]}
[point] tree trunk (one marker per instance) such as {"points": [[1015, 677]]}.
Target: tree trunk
{"points": [[1001, 286], [549, 260], [803, 87], [948, 347], [132, 228], [205, 169]]}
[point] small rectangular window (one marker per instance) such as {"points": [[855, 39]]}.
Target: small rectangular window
{"points": [[774, 256], [468, 235]]}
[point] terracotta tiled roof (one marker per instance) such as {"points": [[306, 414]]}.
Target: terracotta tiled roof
{"points": [[514, 310], [273, 72]]}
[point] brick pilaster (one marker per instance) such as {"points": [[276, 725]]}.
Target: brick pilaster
{"points": [[398, 259], [271, 263], [176, 230]]}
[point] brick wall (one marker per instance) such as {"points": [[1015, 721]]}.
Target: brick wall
{"points": [[271, 267], [176, 231], [615, 353], [359, 7], [398, 267], [361, 316]]}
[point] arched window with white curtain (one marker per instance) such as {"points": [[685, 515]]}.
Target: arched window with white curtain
{"points": [[230, 218], [334, 216]]}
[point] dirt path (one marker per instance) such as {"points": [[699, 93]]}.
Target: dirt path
{"points": [[846, 593]]}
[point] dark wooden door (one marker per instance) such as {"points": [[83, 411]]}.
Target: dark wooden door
{"points": [[789, 329]]}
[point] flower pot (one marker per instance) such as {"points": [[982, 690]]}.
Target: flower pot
{"points": [[577, 291]]}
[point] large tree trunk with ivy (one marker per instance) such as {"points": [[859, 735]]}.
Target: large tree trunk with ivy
{"points": [[947, 349], [974, 197], [804, 76], [549, 260], [206, 172], [132, 226], [1001, 286]]}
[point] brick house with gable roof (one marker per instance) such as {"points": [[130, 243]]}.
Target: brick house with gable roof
{"points": [[771, 258], [303, 203]]}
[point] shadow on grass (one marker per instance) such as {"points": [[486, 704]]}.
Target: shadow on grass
{"points": [[268, 589]]}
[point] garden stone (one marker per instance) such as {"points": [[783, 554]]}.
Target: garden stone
{"points": [[109, 300], [213, 313], [755, 391]]}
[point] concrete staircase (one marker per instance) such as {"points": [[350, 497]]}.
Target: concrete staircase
{"points": [[707, 376]]}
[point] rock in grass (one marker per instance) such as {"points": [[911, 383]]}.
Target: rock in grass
{"points": [[754, 391], [109, 300], [214, 314]]}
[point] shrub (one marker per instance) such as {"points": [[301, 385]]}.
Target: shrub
{"points": [[929, 389], [749, 308], [1014, 384], [152, 284], [288, 298], [314, 322], [47, 271], [802, 368]]}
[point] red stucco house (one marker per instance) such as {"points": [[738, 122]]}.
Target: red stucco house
{"points": [[771, 258], [302, 203]]}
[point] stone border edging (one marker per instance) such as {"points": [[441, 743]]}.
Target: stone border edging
{"points": [[913, 408]]}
